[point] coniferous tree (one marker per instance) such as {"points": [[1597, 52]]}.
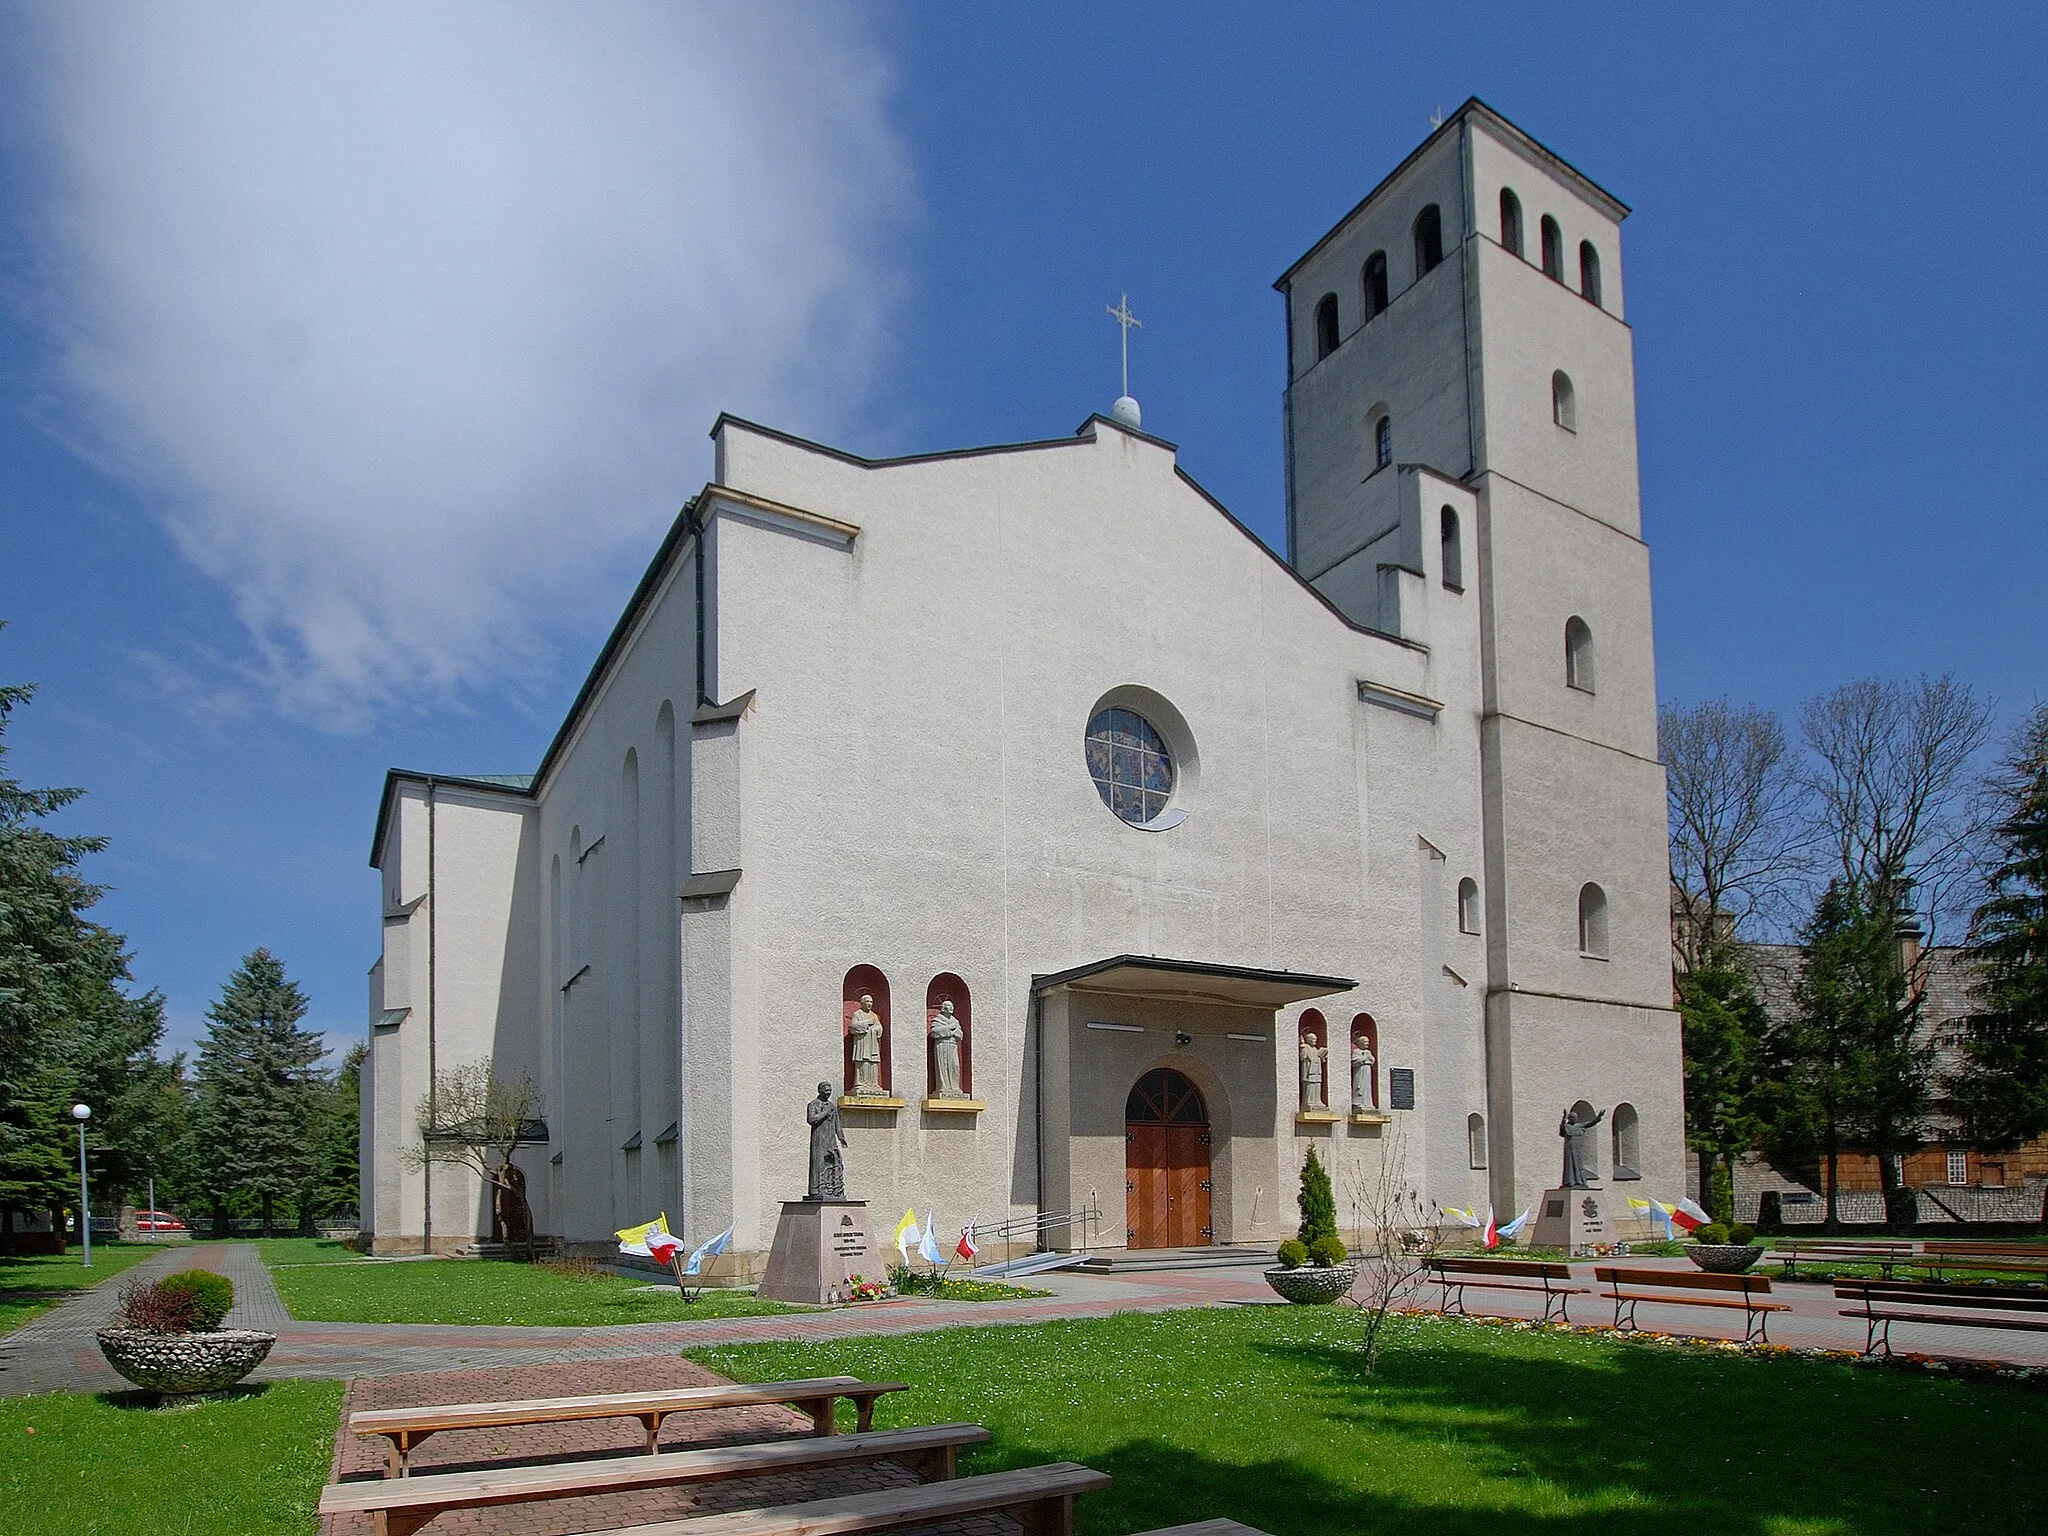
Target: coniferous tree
{"points": [[1848, 1071], [1724, 1028], [1999, 1091], [259, 1090], [1318, 1201], [337, 1182]]}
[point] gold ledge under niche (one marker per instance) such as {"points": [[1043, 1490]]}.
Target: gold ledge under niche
{"points": [[878, 1101], [1370, 1117], [935, 1105], [1315, 1117]]}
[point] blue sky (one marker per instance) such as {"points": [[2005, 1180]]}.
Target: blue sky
{"points": [[350, 368]]}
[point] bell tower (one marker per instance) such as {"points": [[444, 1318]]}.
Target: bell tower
{"points": [[1468, 318]]}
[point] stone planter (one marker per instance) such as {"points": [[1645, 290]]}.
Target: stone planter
{"points": [[1310, 1286], [185, 1362], [1723, 1258]]}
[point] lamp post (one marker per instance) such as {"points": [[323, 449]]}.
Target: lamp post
{"points": [[82, 1113]]}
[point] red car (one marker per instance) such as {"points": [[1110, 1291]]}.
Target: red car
{"points": [[158, 1221]]}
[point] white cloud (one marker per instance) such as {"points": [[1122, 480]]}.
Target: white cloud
{"points": [[411, 318]]}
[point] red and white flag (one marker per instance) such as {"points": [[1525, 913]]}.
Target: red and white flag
{"points": [[966, 1249], [1492, 1231]]}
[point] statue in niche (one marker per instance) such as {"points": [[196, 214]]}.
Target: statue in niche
{"points": [[828, 1163], [866, 1027], [1313, 1056], [947, 1039], [1578, 1148], [1361, 1076]]}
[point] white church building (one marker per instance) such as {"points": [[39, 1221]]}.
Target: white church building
{"points": [[1217, 855]]}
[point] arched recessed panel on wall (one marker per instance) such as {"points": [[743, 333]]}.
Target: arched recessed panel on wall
{"points": [[1578, 654], [1364, 1064], [1589, 271], [1375, 282], [1593, 921], [1429, 240], [1313, 1061], [1475, 1140], [1510, 222], [1452, 539], [1628, 1142], [1586, 1114], [1553, 249], [946, 988], [1468, 905], [1564, 402], [864, 1007], [1327, 335]]}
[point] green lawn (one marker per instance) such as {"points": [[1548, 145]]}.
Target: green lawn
{"points": [[305, 1250], [1261, 1414], [489, 1291], [98, 1466], [32, 1286]]}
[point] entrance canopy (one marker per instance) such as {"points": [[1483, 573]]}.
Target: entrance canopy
{"points": [[1193, 981]]}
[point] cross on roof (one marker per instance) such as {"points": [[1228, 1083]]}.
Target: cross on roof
{"points": [[1120, 312]]}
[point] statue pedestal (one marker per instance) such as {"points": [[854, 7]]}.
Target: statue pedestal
{"points": [[820, 1245], [1573, 1219]]}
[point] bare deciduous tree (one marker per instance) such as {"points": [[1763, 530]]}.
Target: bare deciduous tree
{"points": [[1892, 794], [477, 1119], [1392, 1231], [1735, 837]]}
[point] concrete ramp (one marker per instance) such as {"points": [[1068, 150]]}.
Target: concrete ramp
{"points": [[1029, 1264]]}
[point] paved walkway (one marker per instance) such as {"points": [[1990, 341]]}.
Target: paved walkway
{"points": [[57, 1352]]}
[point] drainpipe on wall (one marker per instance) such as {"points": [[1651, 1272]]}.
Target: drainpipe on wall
{"points": [[433, 1024], [1038, 1103]]}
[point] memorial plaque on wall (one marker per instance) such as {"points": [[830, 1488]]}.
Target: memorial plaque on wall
{"points": [[1401, 1087]]}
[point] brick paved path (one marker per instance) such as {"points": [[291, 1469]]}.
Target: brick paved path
{"points": [[359, 1457]]}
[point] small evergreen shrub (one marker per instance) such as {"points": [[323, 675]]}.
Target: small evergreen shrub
{"points": [[1712, 1232], [212, 1295], [1317, 1200], [1293, 1254], [1328, 1252], [1742, 1234]]}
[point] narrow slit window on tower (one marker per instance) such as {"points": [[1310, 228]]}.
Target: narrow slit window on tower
{"points": [[1564, 405], [1578, 654], [1375, 283], [1589, 271], [1429, 240], [1453, 550], [1383, 442], [1326, 326], [1468, 905], [1592, 922], [1510, 222], [1553, 249]]}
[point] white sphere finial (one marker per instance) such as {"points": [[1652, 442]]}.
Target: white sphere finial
{"points": [[81, 1111], [1125, 413]]}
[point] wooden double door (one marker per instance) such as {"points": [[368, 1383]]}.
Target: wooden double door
{"points": [[1166, 1164]]}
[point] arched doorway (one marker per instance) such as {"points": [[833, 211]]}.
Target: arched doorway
{"points": [[1166, 1163]]}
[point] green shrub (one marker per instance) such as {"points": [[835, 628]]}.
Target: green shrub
{"points": [[1317, 1200], [1742, 1233], [212, 1295], [1293, 1254], [1712, 1232], [1328, 1251]]}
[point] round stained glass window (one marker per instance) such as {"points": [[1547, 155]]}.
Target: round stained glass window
{"points": [[1129, 762]]}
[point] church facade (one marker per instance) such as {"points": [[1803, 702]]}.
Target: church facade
{"points": [[1095, 858]]}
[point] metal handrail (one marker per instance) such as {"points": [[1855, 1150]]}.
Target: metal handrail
{"points": [[1039, 1225]]}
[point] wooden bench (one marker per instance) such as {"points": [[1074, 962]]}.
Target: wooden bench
{"points": [[816, 1396], [1041, 1499], [1939, 1256], [1628, 1287], [1886, 1256], [400, 1506], [1880, 1303], [1551, 1281]]}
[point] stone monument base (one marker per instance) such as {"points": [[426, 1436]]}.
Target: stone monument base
{"points": [[1573, 1219], [820, 1245]]}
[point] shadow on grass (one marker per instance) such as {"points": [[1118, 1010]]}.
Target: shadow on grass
{"points": [[138, 1400]]}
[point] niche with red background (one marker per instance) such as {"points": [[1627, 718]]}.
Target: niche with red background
{"points": [[948, 988], [1314, 1029], [865, 980], [1364, 1030]]}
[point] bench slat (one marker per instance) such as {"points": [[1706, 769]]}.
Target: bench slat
{"points": [[1530, 1268], [517, 1485], [2025, 1324], [1684, 1280], [1699, 1301], [377, 1421], [891, 1508]]}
